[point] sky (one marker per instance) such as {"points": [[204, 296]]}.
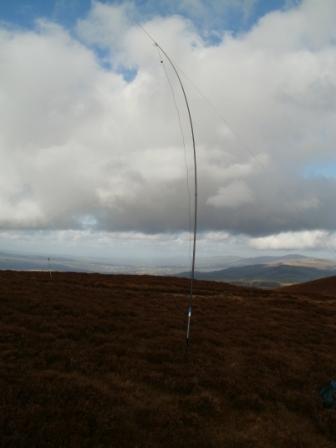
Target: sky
{"points": [[95, 145]]}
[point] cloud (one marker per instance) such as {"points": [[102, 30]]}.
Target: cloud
{"points": [[105, 24], [233, 195], [82, 147], [126, 248], [316, 239], [209, 15]]}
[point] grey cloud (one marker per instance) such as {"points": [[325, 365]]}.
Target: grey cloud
{"points": [[81, 147]]}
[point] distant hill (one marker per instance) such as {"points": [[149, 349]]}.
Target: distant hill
{"points": [[265, 275], [263, 271], [19, 262], [322, 287], [289, 260], [38, 263]]}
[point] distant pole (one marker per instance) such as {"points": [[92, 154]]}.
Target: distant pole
{"points": [[49, 268]]}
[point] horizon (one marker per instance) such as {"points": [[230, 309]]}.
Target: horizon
{"points": [[206, 262]]}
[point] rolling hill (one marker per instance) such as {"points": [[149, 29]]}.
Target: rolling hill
{"points": [[321, 287], [270, 272], [264, 275]]}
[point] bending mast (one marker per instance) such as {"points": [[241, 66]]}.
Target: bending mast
{"points": [[195, 178]]}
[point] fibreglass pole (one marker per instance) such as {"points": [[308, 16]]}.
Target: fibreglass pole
{"points": [[196, 191], [195, 178]]}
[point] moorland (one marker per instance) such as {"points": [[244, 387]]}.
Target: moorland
{"points": [[89, 360]]}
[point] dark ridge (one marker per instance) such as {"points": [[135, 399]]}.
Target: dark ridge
{"points": [[324, 287], [265, 275]]}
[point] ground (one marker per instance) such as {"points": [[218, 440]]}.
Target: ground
{"points": [[90, 360]]}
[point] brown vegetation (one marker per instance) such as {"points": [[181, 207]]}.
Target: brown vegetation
{"points": [[322, 287], [99, 361]]}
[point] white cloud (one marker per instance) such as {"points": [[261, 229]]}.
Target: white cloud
{"points": [[315, 239], [309, 26], [106, 24], [77, 140]]}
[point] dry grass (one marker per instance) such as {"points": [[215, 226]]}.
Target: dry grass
{"points": [[325, 287], [99, 361]]}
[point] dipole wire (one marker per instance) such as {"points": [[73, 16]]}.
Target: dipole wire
{"points": [[184, 148]]}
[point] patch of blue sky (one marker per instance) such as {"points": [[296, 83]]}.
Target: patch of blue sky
{"points": [[211, 17], [241, 20], [263, 7], [24, 13], [320, 170], [260, 9], [104, 58], [129, 74]]}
